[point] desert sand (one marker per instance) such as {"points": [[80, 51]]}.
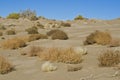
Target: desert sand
{"points": [[29, 68]]}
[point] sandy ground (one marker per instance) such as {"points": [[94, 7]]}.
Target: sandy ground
{"points": [[29, 68]]}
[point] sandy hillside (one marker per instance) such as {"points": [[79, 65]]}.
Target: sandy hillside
{"points": [[29, 68]]}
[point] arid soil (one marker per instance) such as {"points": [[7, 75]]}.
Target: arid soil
{"points": [[29, 68]]}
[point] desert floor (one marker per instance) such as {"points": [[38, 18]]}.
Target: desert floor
{"points": [[29, 68]]}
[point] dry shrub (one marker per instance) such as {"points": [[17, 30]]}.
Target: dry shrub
{"points": [[11, 32], [33, 37], [61, 55], [5, 65], [50, 33], [98, 37], [13, 43], [32, 30], [65, 24], [35, 50], [109, 58], [57, 34], [115, 43]]}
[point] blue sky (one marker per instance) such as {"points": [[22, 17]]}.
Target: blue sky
{"points": [[64, 9]]}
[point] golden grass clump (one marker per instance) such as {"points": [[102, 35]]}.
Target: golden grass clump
{"points": [[33, 37], [109, 58], [98, 37], [5, 65], [61, 55], [13, 43]]}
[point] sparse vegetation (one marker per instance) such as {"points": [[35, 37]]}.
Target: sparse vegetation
{"points": [[29, 14], [32, 30], [33, 37], [98, 37], [13, 16], [79, 17], [5, 65], [10, 32], [13, 43], [57, 34], [61, 55], [109, 58]]}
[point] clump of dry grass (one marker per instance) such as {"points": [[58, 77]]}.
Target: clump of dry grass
{"points": [[33, 37], [57, 34], [13, 43], [5, 65], [61, 55], [98, 37], [11, 32], [109, 58]]}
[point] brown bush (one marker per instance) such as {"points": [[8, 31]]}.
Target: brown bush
{"points": [[57, 34], [32, 30], [109, 58], [11, 32], [98, 37], [50, 33], [13, 43], [5, 65], [65, 24], [61, 55], [33, 37]]}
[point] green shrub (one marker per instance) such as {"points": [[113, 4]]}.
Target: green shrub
{"points": [[79, 17], [13, 16], [32, 30]]}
